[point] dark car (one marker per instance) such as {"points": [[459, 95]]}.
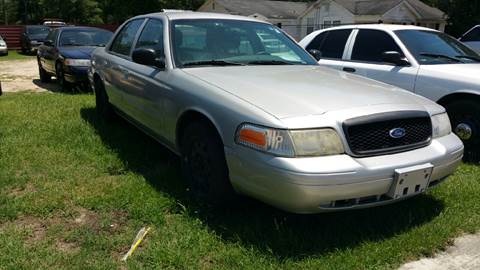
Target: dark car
{"points": [[33, 36], [66, 53]]}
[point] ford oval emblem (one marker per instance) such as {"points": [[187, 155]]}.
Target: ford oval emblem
{"points": [[397, 133]]}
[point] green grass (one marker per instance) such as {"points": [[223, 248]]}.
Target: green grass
{"points": [[15, 55], [74, 192]]}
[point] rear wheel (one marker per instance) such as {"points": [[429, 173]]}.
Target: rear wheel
{"points": [[204, 165], [44, 76], [104, 108], [465, 118], [64, 85]]}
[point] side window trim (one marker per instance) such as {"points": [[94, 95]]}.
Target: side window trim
{"points": [[128, 57], [347, 53]]}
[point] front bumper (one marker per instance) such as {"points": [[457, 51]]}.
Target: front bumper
{"points": [[332, 183], [76, 74], [3, 50]]}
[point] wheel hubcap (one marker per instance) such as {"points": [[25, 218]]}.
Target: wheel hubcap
{"points": [[464, 131]]}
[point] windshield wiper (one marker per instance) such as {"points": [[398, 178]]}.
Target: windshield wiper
{"points": [[212, 63], [441, 56], [72, 44], [269, 62], [469, 57]]}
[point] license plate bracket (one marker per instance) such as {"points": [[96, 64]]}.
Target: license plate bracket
{"points": [[410, 181]]}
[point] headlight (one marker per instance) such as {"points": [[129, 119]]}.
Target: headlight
{"points": [[441, 125], [3, 44], [290, 143], [77, 62]]}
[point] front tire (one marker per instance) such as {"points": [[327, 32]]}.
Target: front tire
{"points": [[64, 85], [204, 166], [465, 119], [44, 76]]}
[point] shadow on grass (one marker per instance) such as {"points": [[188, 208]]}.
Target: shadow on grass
{"points": [[255, 224], [54, 87]]}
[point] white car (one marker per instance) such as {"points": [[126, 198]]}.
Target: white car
{"points": [[472, 38], [421, 60], [3, 47]]}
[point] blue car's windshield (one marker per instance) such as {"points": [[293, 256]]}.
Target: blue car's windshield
{"points": [[40, 31], [430, 48], [204, 42], [85, 37]]}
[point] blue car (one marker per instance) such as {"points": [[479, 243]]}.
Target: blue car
{"points": [[66, 53]]}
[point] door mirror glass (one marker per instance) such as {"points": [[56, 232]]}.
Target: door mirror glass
{"points": [[315, 53], [395, 58], [148, 57]]}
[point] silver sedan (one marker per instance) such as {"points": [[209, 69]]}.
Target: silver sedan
{"points": [[249, 111]]}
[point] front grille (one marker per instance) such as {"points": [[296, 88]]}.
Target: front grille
{"points": [[370, 135]]}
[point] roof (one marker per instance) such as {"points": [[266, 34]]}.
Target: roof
{"points": [[389, 27], [269, 9], [198, 15], [380, 7]]}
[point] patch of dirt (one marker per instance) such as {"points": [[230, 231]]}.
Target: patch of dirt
{"points": [[21, 191], [67, 247], [22, 75]]}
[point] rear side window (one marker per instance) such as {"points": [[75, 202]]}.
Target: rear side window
{"points": [[124, 40], [152, 37], [331, 43], [371, 44], [473, 35]]}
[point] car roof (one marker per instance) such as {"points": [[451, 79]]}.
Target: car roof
{"points": [[388, 27], [178, 15], [81, 28]]}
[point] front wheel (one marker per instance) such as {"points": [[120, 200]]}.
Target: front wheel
{"points": [[44, 76], [465, 118], [64, 85], [204, 165]]}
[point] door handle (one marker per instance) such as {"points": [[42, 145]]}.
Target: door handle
{"points": [[349, 69]]}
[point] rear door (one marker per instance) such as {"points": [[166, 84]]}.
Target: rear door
{"points": [[365, 59], [332, 45], [48, 53], [117, 76]]}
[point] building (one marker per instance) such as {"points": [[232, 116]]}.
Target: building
{"points": [[301, 18]]}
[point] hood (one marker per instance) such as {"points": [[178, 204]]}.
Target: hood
{"points": [[454, 72], [77, 52], [290, 91]]}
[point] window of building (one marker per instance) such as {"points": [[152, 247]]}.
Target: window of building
{"points": [[310, 25]]}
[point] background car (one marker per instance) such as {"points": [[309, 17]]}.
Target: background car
{"points": [[33, 36], [3, 47], [472, 38], [66, 53], [249, 110], [421, 60]]}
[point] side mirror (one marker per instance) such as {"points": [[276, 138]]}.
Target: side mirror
{"points": [[148, 57], [315, 53], [394, 57], [48, 43]]}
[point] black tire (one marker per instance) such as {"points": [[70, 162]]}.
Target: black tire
{"points": [[204, 166], [64, 85], [104, 109], [465, 116], [44, 76]]}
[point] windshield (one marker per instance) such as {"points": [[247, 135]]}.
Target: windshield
{"points": [[430, 48], [85, 37], [38, 31], [209, 42]]}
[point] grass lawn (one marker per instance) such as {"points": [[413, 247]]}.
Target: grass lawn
{"points": [[74, 192], [15, 55]]}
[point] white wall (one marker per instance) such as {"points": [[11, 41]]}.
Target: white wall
{"points": [[325, 11]]}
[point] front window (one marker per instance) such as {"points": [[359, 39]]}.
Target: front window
{"points": [[204, 42], [40, 31], [85, 37], [430, 48]]}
